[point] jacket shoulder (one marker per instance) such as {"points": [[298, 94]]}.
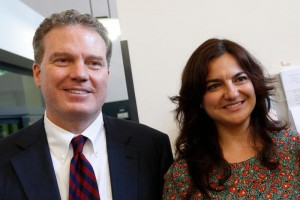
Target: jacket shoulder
{"points": [[23, 136], [131, 127]]}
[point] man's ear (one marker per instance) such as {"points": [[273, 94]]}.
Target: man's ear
{"points": [[36, 69]]}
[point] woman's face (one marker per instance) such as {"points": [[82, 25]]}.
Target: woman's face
{"points": [[230, 97]]}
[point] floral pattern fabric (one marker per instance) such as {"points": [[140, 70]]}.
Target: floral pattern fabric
{"points": [[249, 179]]}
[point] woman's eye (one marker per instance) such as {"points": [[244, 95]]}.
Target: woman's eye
{"points": [[242, 79], [213, 86]]}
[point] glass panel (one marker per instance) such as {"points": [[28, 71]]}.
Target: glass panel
{"points": [[21, 102]]}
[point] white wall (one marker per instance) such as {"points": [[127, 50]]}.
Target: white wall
{"points": [[18, 23], [162, 34]]}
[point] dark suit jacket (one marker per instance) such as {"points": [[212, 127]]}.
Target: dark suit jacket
{"points": [[138, 158]]}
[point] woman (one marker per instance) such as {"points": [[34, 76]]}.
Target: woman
{"points": [[229, 147]]}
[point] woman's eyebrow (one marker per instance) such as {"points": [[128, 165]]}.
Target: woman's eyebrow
{"points": [[219, 80]]}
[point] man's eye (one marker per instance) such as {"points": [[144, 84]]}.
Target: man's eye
{"points": [[95, 64], [62, 61]]}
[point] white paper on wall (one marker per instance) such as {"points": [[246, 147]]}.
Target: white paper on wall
{"points": [[290, 78]]}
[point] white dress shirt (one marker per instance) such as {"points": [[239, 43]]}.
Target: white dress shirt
{"points": [[94, 150]]}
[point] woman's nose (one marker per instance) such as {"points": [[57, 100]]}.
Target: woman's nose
{"points": [[231, 92]]}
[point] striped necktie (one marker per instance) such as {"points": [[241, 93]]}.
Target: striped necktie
{"points": [[83, 184]]}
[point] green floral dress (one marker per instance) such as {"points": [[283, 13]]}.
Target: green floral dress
{"points": [[249, 179]]}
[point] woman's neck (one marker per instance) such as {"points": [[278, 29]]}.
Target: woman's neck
{"points": [[237, 143]]}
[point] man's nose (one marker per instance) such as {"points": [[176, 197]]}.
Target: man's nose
{"points": [[79, 71]]}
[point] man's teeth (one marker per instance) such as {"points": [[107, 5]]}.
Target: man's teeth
{"points": [[233, 105], [77, 91]]}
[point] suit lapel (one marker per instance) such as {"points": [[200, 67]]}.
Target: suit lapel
{"points": [[34, 167], [123, 161]]}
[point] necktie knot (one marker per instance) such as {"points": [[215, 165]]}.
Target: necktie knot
{"points": [[78, 143]]}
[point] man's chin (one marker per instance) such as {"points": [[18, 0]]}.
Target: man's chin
{"points": [[83, 113]]}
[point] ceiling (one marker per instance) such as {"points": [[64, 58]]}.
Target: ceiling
{"points": [[99, 8]]}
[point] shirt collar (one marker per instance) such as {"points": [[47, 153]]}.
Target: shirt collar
{"points": [[59, 139]]}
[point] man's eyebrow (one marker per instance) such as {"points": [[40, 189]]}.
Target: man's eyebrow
{"points": [[58, 54], [95, 57]]}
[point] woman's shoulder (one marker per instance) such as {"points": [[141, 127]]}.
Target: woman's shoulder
{"points": [[285, 135], [177, 178], [179, 165], [178, 170], [287, 138]]}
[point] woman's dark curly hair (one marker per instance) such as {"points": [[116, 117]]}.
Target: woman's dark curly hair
{"points": [[198, 139]]}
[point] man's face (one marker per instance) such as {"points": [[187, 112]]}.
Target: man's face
{"points": [[73, 74]]}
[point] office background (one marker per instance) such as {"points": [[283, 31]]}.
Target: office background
{"points": [[162, 34]]}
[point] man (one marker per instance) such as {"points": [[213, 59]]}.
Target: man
{"points": [[72, 53]]}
